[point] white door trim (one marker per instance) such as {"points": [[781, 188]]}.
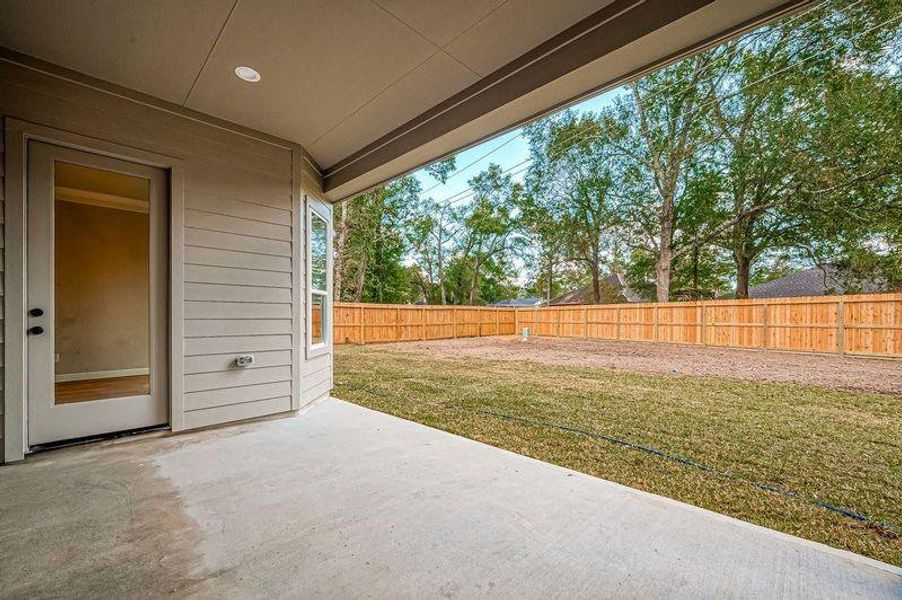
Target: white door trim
{"points": [[49, 421], [17, 135]]}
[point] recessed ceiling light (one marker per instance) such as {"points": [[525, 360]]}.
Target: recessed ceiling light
{"points": [[247, 74]]}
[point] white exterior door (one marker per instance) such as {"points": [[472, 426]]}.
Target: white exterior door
{"points": [[96, 295]]}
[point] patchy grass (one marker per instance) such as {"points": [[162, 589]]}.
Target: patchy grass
{"points": [[843, 448]]}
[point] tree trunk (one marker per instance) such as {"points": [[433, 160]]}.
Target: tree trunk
{"points": [[361, 277], [341, 241], [743, 268], [596, 282], [474, 285], [441, 265], [665, 251], [550, 278], [696, 285]]}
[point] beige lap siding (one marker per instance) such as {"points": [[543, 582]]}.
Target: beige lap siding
{"points": [[243, 260]]}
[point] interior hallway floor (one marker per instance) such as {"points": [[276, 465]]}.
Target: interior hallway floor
{"points": [[344, 502], [86, 390]]}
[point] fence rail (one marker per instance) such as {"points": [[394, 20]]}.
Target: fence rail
{"points": [[864, 325]]}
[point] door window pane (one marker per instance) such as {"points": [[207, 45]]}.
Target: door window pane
{"points": [[101, 284]]}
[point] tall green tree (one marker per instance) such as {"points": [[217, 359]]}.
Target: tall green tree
{"points": [[571, 201], [487, 235], [370, 244]]}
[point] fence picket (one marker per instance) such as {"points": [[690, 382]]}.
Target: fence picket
{"points": [[861, 325]]}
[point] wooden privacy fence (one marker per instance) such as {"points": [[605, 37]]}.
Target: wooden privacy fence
{"points": [[376, 323], [868, 325]]}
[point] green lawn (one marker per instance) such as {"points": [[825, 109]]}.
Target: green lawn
{"points": [[839, 447]]}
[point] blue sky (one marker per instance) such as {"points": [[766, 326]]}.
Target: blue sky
{"points": [[511, 152]]}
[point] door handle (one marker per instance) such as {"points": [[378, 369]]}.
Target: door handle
{"points": [[36, 312], [36, 330]]}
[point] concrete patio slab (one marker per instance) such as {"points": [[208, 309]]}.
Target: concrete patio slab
{"points": [[344, 502]]}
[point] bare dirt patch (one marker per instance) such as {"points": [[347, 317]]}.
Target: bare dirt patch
{"points": [[874, 375]]}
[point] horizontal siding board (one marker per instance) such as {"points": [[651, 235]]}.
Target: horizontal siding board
{"points": [[240, 184], [229, 327], [236, 293], [237, 377], [224, 362], [67, 105], [226, 224], [83, 110], [225, 275], [205, 238], [236, 310], [316, 378], [240, 238], [214, 257], [251, 393], [315, 392], [236, 412], [238, 208], [314, 364], [236, 345]]}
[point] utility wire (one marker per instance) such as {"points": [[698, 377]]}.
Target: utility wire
{"points": [[455, 198], [748, 40]]}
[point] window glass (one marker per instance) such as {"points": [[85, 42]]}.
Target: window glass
{"points": [[317, 303], [318, 250]]}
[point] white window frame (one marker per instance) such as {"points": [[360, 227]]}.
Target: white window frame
{"points": [[318, 210]]}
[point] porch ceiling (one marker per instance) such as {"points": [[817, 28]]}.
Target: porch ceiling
{"points": [[370, 88]]}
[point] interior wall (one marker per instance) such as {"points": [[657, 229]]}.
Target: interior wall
{"points": [[238, 252], [102, 290]]}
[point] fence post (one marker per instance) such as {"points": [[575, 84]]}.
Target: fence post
{"points": [[704, 324], [516, 321], [478, 322], [765, 327], [558, 322], [497, 321], [423, 319], [454, 322], [398, 324], [841, 327], [586, 323], [617, 323]]}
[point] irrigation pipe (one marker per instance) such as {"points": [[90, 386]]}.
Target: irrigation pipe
{"points": [[775, 489]]}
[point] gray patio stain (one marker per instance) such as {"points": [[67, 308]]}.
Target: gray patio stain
{"points": [[94, 522]]}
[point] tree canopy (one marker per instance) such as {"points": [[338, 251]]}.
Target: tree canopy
{"points": [[779, 150]]}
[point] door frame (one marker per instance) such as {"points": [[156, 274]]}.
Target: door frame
{"points": [[17, 136], [48, 420]]}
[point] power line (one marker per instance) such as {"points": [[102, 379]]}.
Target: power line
{"points": [[478, 160], [585, 135], [748, 40]]}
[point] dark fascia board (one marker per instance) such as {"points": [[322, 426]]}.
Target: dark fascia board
{"points": [[614, 26], [611, 28]]}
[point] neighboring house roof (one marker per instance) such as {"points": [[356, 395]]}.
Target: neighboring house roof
{"points": [[529, 301], [614, 290], [818, 281]]}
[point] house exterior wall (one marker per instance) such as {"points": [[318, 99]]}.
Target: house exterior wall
{"points": [[237, 256]]}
